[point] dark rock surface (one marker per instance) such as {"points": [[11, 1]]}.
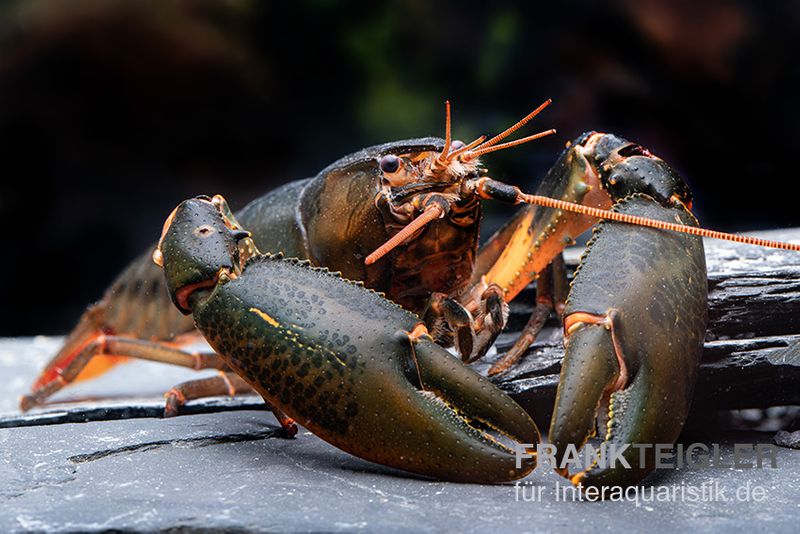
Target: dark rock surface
{"points": [[228, 470], [788, 439]]}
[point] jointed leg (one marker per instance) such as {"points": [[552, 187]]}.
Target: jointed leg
{"points": [[450, 323], [117, 346], [551, 291], [225, 383], [544, 305], [490, 321], [471, 331], [560, 285]]}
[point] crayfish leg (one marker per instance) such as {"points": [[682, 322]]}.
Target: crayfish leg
{"points": [[450, 323], [98, 345], [136, 305], [88, 329], [223, 384], [551, 293]]}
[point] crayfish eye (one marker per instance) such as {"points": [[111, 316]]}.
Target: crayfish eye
{"points": [[389, 163], [204, 231]]}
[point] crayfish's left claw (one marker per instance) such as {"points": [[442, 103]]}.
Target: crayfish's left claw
{"points": [[633, 349]]}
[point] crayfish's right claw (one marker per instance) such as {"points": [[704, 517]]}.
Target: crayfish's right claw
{"points": [[588, 375]]}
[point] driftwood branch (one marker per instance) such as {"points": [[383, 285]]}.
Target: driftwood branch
{"points": [[752, 350]]}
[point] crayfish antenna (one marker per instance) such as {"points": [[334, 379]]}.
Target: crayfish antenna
{"points": [[439, 165], [652, 223], [465, 148], [448, 135], [484, 150]]}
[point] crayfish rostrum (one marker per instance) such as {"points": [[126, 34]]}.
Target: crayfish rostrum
{"points": [[402, 218]]}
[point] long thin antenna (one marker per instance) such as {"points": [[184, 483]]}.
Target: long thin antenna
{"points": [[652, 223]]}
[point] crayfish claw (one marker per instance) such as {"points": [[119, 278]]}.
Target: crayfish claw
{"points": [[632, 350]]}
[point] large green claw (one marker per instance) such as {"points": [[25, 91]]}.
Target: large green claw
{"points": [[352, 367], [634, 339]]}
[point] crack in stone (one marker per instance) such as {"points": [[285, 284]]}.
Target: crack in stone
{"points": [[401, 500], [204, 441], [37, 485], [84, 414]]}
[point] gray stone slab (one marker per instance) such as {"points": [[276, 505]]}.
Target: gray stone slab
{"points": [[232, 471]]}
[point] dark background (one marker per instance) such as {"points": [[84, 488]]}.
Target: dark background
{"points": [[111, 112]]}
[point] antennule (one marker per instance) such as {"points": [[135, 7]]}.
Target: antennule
{"points": [[486, 149], [448, 138], [502, 135], [465, 148]]}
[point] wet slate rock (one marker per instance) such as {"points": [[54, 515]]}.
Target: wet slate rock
{"points": [[231, 471], [790, 440], [752, 351]]}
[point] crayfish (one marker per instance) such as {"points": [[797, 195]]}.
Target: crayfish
{"points": [[361, 369]]}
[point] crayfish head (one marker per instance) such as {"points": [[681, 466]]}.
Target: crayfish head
{"points": [[454, 163], [418, 188], [199, 244]]}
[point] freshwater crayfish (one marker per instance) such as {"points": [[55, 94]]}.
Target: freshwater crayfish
{"points": [[403, 219]]}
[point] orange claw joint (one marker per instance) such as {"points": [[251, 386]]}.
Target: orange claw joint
{"points": [[432, 212]]}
